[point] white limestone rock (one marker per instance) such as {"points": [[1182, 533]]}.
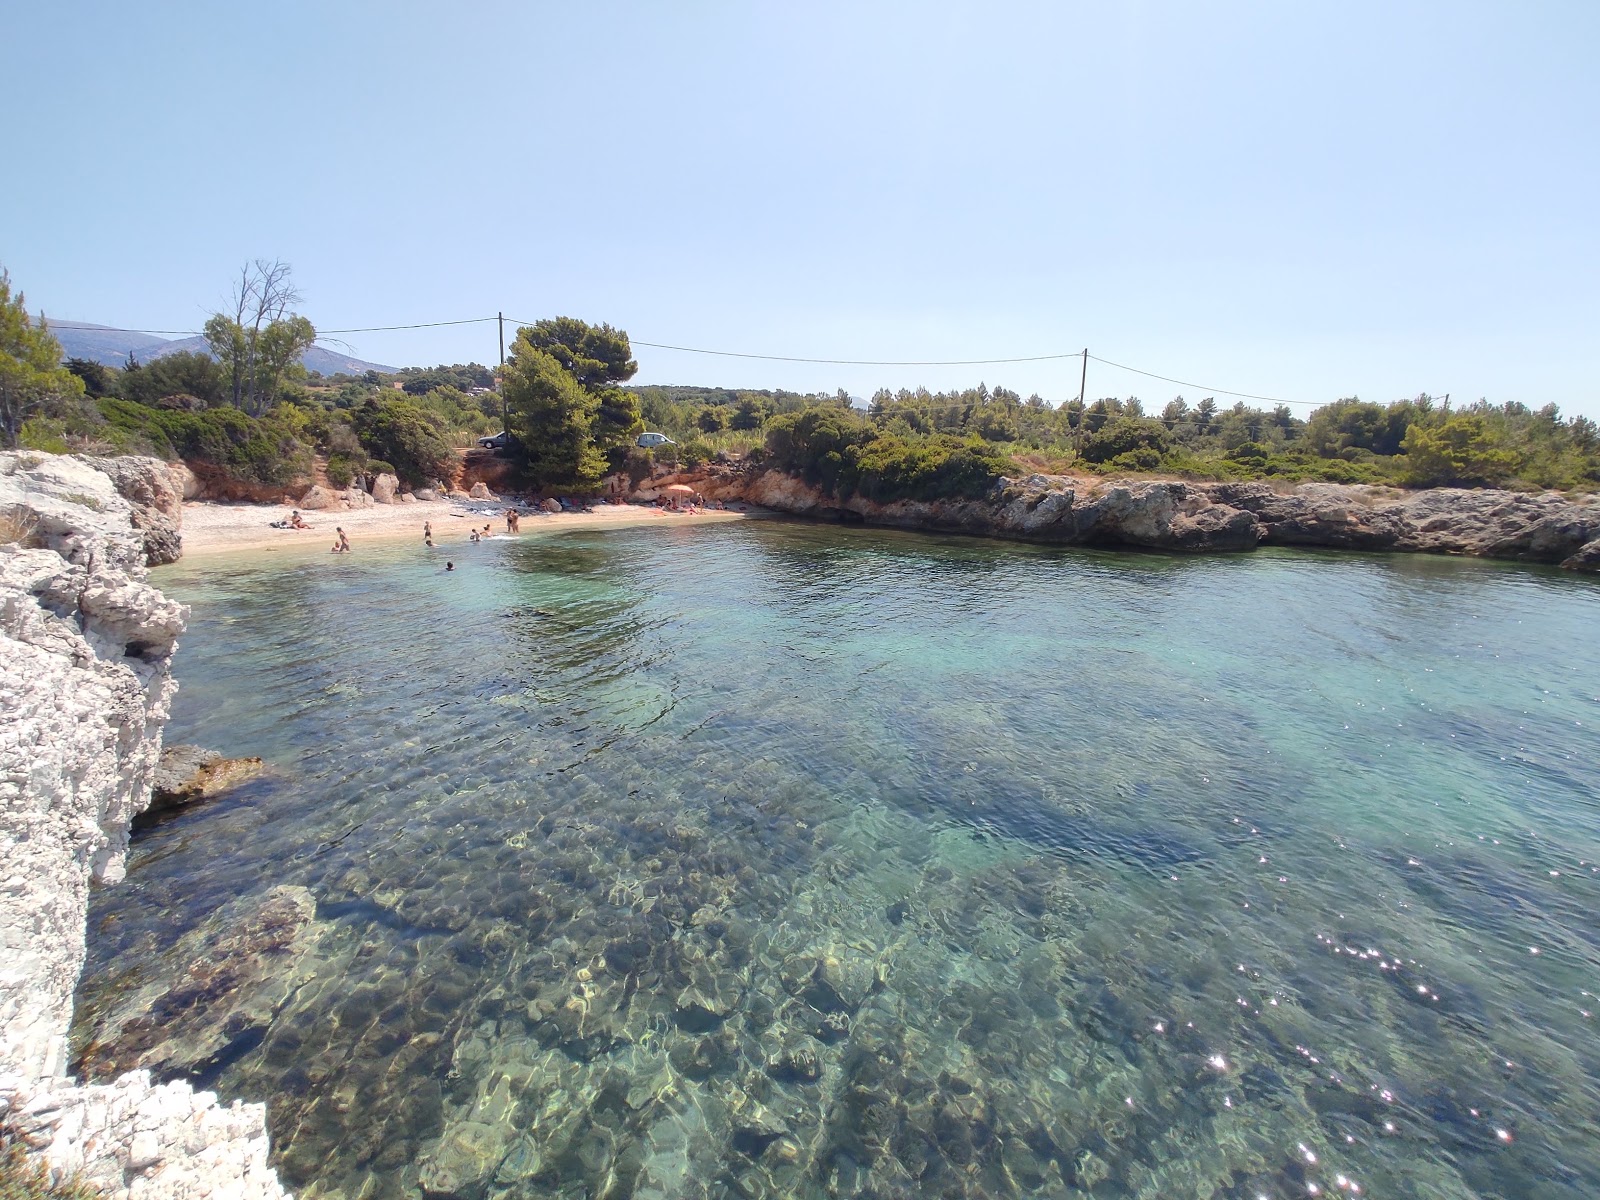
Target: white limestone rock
{"points": [[86, 648]]}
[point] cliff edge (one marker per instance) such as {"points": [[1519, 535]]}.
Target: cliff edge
{"points": [[86, 648]]}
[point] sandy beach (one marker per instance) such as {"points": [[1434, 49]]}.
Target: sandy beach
{"points": [[211, 528]]}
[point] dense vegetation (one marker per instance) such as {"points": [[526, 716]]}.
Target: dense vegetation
{"points": [[245, 411], [921, 443]]}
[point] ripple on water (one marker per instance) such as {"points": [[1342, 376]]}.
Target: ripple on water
{"points": [[773, 860]]}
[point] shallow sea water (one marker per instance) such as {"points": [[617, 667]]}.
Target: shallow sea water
{"points": [[766, 859]]}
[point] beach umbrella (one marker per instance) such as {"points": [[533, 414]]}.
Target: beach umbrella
{"points": [[679, 489]]}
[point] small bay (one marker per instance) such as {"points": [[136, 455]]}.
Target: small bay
{"points": [[770, 859]]}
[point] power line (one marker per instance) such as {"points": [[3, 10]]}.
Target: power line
{"points": [[1200, 386], [839, 362], [862, 362], [320, 332]]}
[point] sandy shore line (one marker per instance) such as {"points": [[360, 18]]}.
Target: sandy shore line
{"points": [[211, 529]]}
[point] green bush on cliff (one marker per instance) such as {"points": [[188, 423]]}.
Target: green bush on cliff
{"points": [[940, 467]]}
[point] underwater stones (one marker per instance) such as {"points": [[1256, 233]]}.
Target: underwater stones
{"points": [[233, 974], [836, 981], [701, 1057], [460, 1165], [795, 1063], [830, 1028]]}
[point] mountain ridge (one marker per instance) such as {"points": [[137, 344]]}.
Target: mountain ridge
{"points": [[110, 346]]}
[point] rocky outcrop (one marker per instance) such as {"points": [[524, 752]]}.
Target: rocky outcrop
{"points": [[1185, 517], [185, 774], [480, 491], [319, 498], [156, 494], [86, 647], [384, 487]]}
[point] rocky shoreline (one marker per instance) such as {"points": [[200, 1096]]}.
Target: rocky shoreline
{"points": [[1208, 517], [86, 647]]}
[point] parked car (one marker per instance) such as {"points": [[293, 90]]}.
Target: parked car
{"points": [[496, 441], [649, 440]]}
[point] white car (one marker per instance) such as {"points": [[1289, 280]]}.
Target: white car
{"points": [[647, 440]]}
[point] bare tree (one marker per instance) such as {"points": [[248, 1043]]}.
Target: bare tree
{"points": [[262, 298]]}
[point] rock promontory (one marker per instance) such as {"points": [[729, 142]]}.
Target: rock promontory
{"points": [[1172, 515], [86, 647]]}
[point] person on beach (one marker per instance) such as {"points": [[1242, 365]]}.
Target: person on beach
{"points": [[427, 532], [295, 521]]}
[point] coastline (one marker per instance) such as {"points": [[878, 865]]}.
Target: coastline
{"points": [[211, 529]]}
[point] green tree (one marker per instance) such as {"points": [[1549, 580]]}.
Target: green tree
{"points": [[98, 379], [32, 380], [1460, 451], [552, 418], [566, 411], [184, 373], [260, 344], [595, 355]]}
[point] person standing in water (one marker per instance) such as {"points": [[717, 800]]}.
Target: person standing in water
{"points": [[427, 532]]}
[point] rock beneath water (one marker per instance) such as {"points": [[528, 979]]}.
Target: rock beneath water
{"points": [[189, 773], [480, 491], [795, 1063], [384, 487], [832, 981], [460, 1165], [224, 983]]}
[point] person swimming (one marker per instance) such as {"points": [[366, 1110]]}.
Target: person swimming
{"points": [[449, 566]]}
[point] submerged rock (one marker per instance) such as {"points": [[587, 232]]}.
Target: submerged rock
{"points": [[189, 773]]}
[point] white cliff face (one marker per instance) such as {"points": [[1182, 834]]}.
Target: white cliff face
{"points": [[86, 647]]}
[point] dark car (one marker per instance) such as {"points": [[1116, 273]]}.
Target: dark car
{"points": [[498, 441]]}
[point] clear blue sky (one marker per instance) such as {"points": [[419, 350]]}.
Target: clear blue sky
{"points": [[1305, 201]]}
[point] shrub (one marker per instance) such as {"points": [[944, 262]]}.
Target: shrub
{"points": [[1124, 435], [933, 468], [342, 469], [252, 449], [378, 467], [403, 434]]}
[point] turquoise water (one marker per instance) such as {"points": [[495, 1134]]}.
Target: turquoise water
{"points": [[764, 859]]}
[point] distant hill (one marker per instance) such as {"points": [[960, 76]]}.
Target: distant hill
{"points": [[104, 344]]}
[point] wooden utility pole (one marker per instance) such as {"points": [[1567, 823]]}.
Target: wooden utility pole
{"points": [[505, 411], [1083, 380]]}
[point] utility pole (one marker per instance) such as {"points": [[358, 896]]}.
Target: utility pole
{"points": [[505, 410], [1083, 380]]}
